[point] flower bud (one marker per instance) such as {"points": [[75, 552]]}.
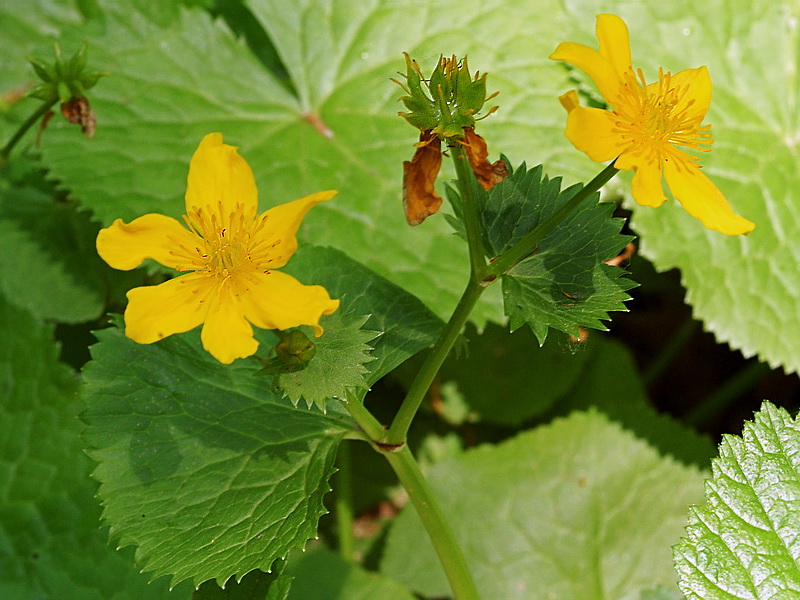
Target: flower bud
{"points": [[451, 102]]}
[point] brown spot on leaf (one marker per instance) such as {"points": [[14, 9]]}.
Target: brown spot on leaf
{"points": [[488, 174], [420, 199]]}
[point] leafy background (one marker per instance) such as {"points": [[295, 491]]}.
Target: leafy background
{"points": [[178, 70]]}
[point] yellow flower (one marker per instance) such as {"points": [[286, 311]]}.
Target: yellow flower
{"points": [[228, 253], [647, 126]]}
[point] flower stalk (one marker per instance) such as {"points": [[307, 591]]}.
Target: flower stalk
{"points": [[40, 112], [430, 513]]}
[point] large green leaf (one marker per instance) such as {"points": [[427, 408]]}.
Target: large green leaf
{"points": [[202, 466], [508, 379], [196, 455], [610, 382], [746, 289], [579, 509], [744, 542], [51, 545]]}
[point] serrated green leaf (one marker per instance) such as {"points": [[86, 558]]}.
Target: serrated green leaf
{"points": [[321, 574], [338, 366], [48, 264], [51, 545], [580, 509], [202, 466], [743, 542], [564, 283], [405, 325]]}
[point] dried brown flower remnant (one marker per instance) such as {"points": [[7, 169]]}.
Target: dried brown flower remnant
{"points": [[420, 199], [488, 174], [78, 112]]}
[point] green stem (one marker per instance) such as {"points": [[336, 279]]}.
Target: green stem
{"points": [[344, 501], [421, 495], [530, 241], [23, 129], [422, 382], [430, 513], [369, 424], [467, 188]]}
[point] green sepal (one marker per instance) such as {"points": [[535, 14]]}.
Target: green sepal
{"points": [[452, 101], [64, 80]]}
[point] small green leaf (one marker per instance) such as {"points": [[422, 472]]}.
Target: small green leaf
{"points": [[405, 325], [202, 466], [337, 368], [576, 510], [564, 283], [743, 543]]}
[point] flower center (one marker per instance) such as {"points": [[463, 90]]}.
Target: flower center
{"points": [[657, 117], [229, 247]]}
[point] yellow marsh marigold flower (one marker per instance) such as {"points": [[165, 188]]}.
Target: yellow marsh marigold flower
{"points": [[229, 254], [647, 125]]}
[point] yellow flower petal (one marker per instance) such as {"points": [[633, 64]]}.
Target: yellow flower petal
{"points": [[282, 223], [569, 101], [219, 179], [701, 199], [154, 312], [612, 33], [697, 83], [591, 130], [646, 188], [226, 334], [279, 301], [125, 245], [596, 66]]}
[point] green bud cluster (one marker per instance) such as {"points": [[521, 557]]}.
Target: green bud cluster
{"points": [[64, 79], [452, 100], [293, 352]]}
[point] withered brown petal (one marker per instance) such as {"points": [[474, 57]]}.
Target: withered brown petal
{"points": [[420, 199], [487, 174], [78, 112]]}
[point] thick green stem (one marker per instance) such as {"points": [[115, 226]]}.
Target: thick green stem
{"points": [[529, 242], [397, 433], [433, 518], [431, 514], [29, 122], [344, 501]]}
